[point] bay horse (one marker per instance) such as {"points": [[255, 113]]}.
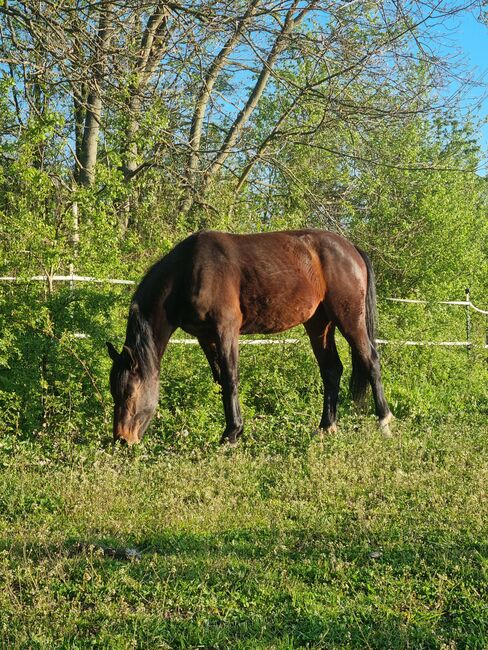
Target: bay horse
{"points": [[217, 285]]}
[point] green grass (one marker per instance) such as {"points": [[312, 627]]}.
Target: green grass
{"points": [[351, 542]]}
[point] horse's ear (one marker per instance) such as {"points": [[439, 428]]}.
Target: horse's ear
{"points": [[133, 361], [114, 355]]}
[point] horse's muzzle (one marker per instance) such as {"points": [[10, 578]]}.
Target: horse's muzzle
{"points": [[126, 436]]}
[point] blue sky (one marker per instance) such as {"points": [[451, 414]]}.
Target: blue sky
{"points": [[471, 37]]}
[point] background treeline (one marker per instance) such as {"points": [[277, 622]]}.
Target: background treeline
{"points": [[127, 125]]}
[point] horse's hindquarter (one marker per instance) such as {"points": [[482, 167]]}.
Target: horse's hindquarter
{"points": [[347, 278]]}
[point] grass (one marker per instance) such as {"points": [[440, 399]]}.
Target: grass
{"points": [[351, 542]]}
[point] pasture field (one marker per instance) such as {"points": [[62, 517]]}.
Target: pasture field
{"points": [[354, 541]]}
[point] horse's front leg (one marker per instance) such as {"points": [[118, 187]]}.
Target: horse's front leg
{"points": [[228, 354], [210, 350]]}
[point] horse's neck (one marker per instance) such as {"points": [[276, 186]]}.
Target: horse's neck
{"points": [[162, 330]]}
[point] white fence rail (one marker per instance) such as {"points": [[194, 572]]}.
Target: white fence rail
{"points": [[270, 341], [459, 303], [63, 278]]}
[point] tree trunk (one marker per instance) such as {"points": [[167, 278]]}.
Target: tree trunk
{"points": [[79, 104], [201, 105], [93, 113], [151, 49], [89, 146]]}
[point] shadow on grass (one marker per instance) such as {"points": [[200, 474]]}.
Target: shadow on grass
{"points": [[261, 588]]}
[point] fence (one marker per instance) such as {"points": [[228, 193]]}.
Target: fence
{"points": [[466, 303]]}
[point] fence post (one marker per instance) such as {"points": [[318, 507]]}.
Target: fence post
{"points": [[75, 242], [468, 319]]}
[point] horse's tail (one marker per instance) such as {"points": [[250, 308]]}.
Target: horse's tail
{"points": [[359, 377]]}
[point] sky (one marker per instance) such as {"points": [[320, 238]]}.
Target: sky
{"points": [[471, 37]]}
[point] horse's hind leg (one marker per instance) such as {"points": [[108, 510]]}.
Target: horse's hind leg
{"points": [[367, 363], [227, 346], [321, 333]]}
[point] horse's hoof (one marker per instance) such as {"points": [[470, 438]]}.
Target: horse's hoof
{"points": [[227, 442], [384, 425], [325, 431]]}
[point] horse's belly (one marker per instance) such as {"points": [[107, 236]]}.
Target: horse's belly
{"points": [[268, 317]]}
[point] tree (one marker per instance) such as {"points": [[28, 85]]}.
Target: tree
{"points": [[209, 66]]}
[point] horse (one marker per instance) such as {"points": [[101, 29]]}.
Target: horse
{"points": [[217, 285]]}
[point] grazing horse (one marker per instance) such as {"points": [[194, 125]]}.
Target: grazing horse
{"points": [[217, 285]]}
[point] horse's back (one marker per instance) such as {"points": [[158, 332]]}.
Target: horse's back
{"points": [[256, 283], [266, 282], [277, 259]]}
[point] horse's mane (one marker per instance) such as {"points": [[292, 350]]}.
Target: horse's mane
{"points": [[150, 293], [139, 338]]}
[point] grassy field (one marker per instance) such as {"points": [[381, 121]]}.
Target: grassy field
{"points": [[351, 542]]}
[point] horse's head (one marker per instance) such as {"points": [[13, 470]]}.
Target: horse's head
{"points": [[135, 389]]}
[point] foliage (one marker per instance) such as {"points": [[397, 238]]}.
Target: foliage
{"points": [[424, 230]]}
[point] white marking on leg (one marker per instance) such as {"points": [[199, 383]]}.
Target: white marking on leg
{"points": [[384, 425]]}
